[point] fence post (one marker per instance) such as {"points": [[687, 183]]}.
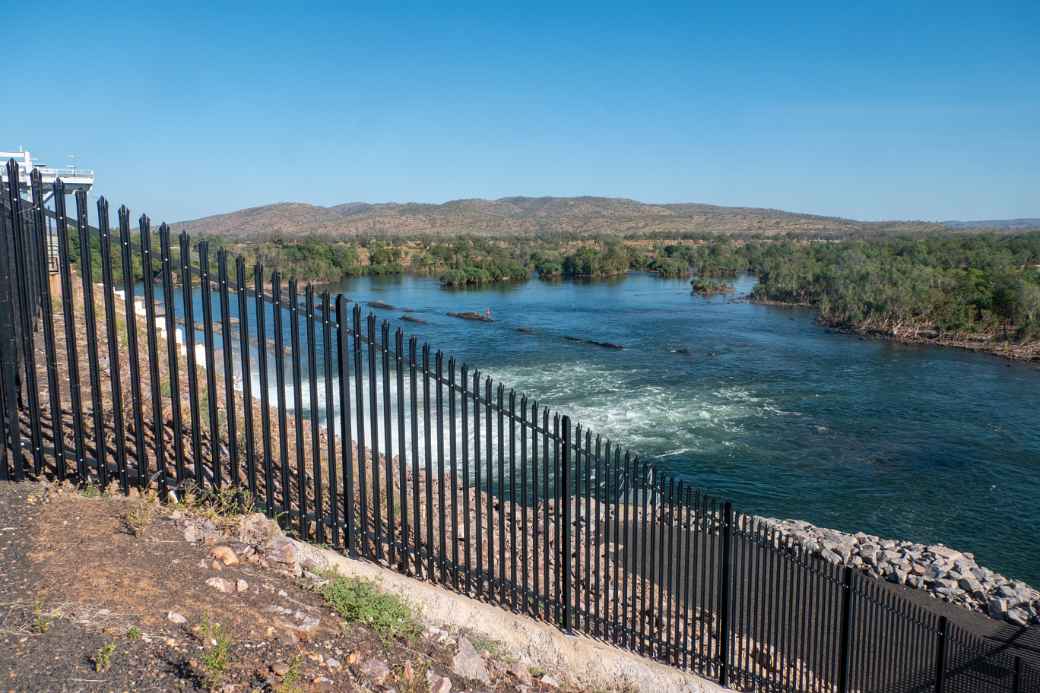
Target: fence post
{"points": [[1016, 681], [940, 655], [9, 430], [8, 328], [725, 595], [844, 650], [565, 545]]}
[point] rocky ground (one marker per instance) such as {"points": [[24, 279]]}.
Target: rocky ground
{"points": [[102, 592], [947, 574]]}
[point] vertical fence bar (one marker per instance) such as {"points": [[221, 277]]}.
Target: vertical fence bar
{"points": [[9, 324], [227, 351], [454, 476], [191, 354], [501, 495], [940, 655], [11, 430], [547, 498], [441, 478], [576, 523], [685, 658], [297, 377], [314, 417], [401, 449], [596, 527], [489, 498], [134, 358], [47, 311], [388, 450], [247, 375], [478, 489], [466, 549], [431, 574], [725, 604], [413, 391], [170, 313], [343, 361], [667, 560], [279, 376], [24, 266], [617, 571], [539, 529], [628, 539], [144, 225], [210, 363], [524, 502], [265, 389], [845, 630], [114, 357], [71, 348], [360, 411], [564, 565], [188, 307], [86, 274], [330, 416], [512, 500], [373, 410], [650, 586], [644, 487]]}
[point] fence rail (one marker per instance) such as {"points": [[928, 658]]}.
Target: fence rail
{"points": [[148, 363]]}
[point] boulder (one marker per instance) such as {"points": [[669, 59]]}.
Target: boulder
{"points": [[1017, 616], [997, 607], [376, 669], [469, 664], [256, 529], [224, 554], [282, 550], [221, 585]]}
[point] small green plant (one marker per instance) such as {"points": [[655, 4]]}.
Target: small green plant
{"points": [[133, 633], [361, 601], [41, 622], [102, 659], [217, 651], [224, 503], [291, 681], [91, 490], [139, 516], [495, 648]]}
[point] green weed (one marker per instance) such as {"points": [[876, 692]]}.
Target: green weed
{"points": [[361, 601]]}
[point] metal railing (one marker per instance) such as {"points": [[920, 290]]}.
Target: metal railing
{"points": [[356, 436]]}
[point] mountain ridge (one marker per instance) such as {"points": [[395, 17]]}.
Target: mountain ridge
{"points": [[520, 216]]}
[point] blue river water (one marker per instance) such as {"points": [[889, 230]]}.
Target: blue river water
{"points": [[763, 406]]}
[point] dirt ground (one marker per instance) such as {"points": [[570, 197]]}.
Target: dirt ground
{"points": [[97, 594]]}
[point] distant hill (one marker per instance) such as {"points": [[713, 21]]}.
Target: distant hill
{"points": [[996, 224], [529, 216]]}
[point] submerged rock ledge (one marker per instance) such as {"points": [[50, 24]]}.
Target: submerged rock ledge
{"points": [[945, 573]]}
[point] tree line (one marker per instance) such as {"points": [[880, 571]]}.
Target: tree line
{"points": [[982, 284]]}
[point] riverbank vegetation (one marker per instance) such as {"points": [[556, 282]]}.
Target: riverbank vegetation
{"points": [[948, 289], [971, 288]]}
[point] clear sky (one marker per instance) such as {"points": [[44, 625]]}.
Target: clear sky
{"points": [[864, 109]]}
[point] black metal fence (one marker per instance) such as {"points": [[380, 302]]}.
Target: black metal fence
{"points": [[203, 373]]}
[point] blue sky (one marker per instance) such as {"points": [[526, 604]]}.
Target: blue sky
{"points": [[864, 109]]}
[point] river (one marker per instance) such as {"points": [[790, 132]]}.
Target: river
{"points": [[761, 405]]}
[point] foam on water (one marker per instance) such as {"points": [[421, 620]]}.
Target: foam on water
{"points": [[621, 404]]}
